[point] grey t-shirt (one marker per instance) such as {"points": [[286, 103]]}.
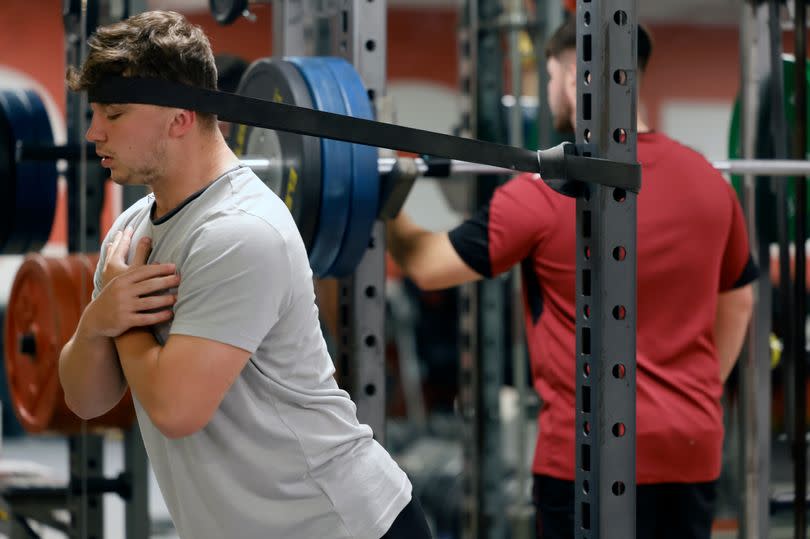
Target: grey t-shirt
{"points": [[284, 455]]}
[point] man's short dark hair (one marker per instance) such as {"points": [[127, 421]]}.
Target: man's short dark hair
{"points": [[565, 38], [153, 44]]}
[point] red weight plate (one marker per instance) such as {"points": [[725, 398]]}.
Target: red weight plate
{"points": [[46, 302], [41, 311]]}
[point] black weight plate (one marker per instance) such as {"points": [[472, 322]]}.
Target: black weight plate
{"points": [[227, 11], [46, 192], [296, 173], [29, 199], [8, 175]]}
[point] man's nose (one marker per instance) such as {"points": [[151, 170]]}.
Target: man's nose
{"points": [[94, 132]]}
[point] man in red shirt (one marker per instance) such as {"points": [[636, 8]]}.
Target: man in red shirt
{"points": [[694, 302]]}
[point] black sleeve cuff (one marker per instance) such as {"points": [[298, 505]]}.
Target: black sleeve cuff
{"points": [[470, 239], [749, 274]]}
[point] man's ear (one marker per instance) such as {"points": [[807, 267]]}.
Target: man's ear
{"points": [[182, 122]]}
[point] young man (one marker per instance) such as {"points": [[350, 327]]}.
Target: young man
{"points": [[694, 303], [203, 306]]}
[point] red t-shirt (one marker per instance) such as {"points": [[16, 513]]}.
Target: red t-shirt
{"points": [[692, 244]]}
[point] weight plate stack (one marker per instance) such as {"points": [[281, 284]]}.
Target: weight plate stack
{"points": [[365, 181], [295, 173], [331, 187], [335, 167]]}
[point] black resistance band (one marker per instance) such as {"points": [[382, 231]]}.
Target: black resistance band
{"points": [[279, 116]]}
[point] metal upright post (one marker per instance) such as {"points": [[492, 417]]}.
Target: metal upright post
{"points": [[483, 329], [85, 198], [86, 455], [137, 521], [799, 284], [357, 32], [85, 183], [755, 368], [359, 35], [292, 28], [605, 491], [520, 512]]}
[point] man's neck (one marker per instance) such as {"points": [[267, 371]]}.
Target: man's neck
{"points": [[192, 169]]}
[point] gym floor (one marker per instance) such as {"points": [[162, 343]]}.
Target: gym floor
{"points": [[51, 453]]}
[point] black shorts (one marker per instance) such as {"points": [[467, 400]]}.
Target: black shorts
{"points": [[663, 511], [410, 523]]}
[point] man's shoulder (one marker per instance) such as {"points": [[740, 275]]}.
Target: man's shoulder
{"points": [[659, 143], [138, 207], [134, 213], [253, 203]]}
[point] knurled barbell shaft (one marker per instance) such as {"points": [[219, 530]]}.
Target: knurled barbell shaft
{"points": [[35, 152], [758, 167], [439, 168], [386, 164]]}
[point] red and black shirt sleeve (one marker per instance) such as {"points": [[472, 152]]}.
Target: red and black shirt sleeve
{"points": [[507, 230], [738, 267]]}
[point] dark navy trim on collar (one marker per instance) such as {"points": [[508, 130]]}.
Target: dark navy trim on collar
{"points": [[171, 213]]}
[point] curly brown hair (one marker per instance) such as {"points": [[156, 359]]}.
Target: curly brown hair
{"points": [[153, 44]]}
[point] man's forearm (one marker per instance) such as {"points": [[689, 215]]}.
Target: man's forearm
{"points": [[410, 245], [734, 310], [90, 374], [139, 353], [402, 239]]}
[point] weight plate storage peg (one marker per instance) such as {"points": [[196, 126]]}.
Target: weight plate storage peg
{"points": [[47, 298]]}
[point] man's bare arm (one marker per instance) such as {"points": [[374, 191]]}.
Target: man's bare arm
{"points": [[427, 258], [90, 374], [734, 310], [89, 370]]}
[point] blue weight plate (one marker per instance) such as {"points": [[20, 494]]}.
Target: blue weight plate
{"points": [[24, 212], [295, 171], [335, 167], [47, 173], [365, 172]]}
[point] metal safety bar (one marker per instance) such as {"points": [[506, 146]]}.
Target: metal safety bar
{"points": [[764, 167]]}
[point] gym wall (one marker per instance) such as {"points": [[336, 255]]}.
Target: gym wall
{"points": [[690, 63]]}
